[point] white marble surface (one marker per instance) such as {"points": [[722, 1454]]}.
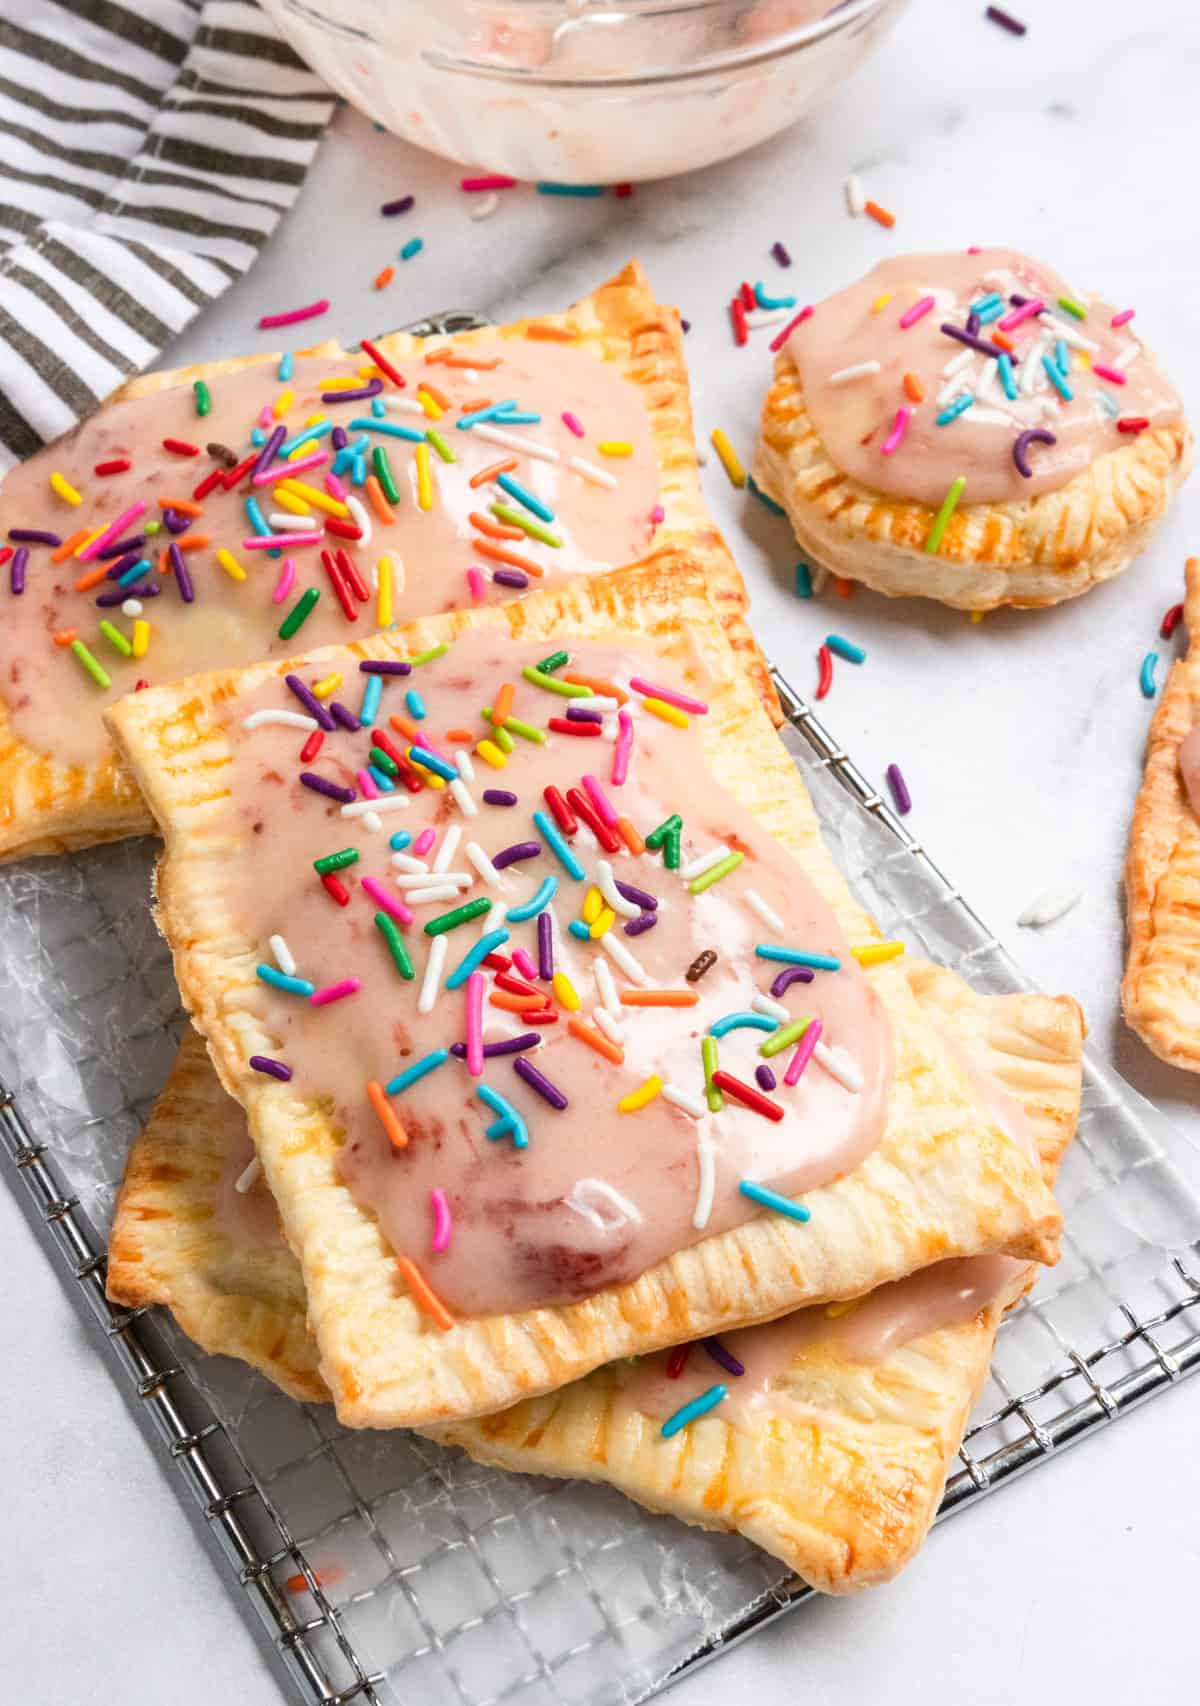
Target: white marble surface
{"points": [[1021, 739]]}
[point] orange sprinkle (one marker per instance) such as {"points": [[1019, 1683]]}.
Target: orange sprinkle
{"points": [[164, 561], [439, 397], [63, 636], [1004, 342], [597, 683], [843, 588], [493, 529], [913, 388], [69, 545], [184, 506], [397, 1136], [504, 703], [379, 503], [85, 583], [659, 997], [193, 541], [460, 737], [384, 277], [404, 727], [593, 1038], [474, 403], [424, 1294], [542, 332], [492, 469], [630, 836], [452, 360], [516, 1003], [501, 554], [323, 1578], [879, 214], [437, 357]]}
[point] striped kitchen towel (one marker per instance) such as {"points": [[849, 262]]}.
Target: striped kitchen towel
{"points": [[147, 151]]}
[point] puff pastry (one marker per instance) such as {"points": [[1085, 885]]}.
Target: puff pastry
{"points": [[613, 364], [944, 1179], [843, 1495], [1160, 993], [1069, 441]]}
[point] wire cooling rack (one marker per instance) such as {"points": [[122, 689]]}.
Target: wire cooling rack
{"points": [[388, 1570]]}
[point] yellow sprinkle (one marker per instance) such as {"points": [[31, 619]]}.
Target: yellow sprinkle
{"points": [[289, 501], [593, 906], [347, 382], [434, 782], [283, 403], [976, 615], [305, 449], [875, 953], [564, 989], [321, 500], [615, 447], [424, 478], [141, 637], [728, 455], [432, 408], [65, 489], [230, 564], [642, 1096], [491, 754], [84, 543], [327, 685], [1083, 357], [316, 420], [833, 1310], [668, 713], [603, 924], [383, 612], [881, 302]]}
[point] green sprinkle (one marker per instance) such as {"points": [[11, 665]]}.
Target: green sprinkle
{"points": [[428, 657], [460, 915], [383, 470], [151, 527], [942, 519], [396, 947], [671, 850], [1073, 306], [657, 836], [203, 398], [553, 662], [299, 613], [336, 861], [97, 671], [804, 586], [515, 726], [440, 445], [708, 878], [386, 764], [502, 738], [567, 689], [514, 518], [708, 1054], [784, 1038], [116, 639]]}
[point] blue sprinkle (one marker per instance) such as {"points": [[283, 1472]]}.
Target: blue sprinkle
{"points": [[531, 908], [280, 980], [411, 1074], [411, 248], [516, 417], [516, 490], [372, 692], [431, 761], [415, 703], [140, 568], [287, 365], [742, 1022], [1149, 665], [845, 649], [772, 1199], [358, 470], [382, 782], [767, 503], [1061, 359], [258, 520], [377, 407], [804, 585], [257, 436], [579, 929], [570, 189], [290, 444], [765, 301], [557, 845], [389, 429], [1058, 380], [959, 406], [692, 1412], [509, 1121], [796, 957], [399, 841], [489, 414], [475, 956], [1004, 363]]}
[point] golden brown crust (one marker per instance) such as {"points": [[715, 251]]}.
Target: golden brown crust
{"points": [[1036, 552], [944, 1180], [1160, 993], [49, 807]]}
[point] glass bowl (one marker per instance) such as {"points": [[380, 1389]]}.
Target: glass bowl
{"points": [[584, 91]]}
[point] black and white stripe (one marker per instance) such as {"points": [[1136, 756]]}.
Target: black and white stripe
{"points": [[147, 151]]}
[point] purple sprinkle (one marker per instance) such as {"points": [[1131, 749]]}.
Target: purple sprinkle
{"points": [[118, 595], [518, 850], [781, 254], [270, 450], [310, 702], [17, 571], [511, 577], [788, 976], [346, 718], [133, 542], [639, 897], [120, 567], [273, 1068], [182, 578], [34, 536], [638, 926], [538, 1081], [384, 666], [545, 940], [969, 338], [901, 797], [973, 324], [1006, 21], [510, 1045], [764, 1077], [402, 204], [684, 325], [1018, 301], [319, 785], [371, 389], [174, 522], [340, 438], [498, 797], [1020, 449], [578, 716], [723, 1358]]}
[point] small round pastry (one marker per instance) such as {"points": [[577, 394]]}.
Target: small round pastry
{"points": [[965, 427]]}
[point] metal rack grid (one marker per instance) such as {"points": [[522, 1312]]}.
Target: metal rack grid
{"points": [[461, 1584]]}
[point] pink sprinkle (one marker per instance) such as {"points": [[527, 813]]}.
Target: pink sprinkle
{"points": [[294, 314], [334, 992], [475, 985], [335, 487], [573, 423], [424, 842], [658, 515], [1123, 318], [1112, 374], [668, 695], [601, 801], [781, 338], [804, 1052], [917, 312], [284, 471], [366, 783], [475, 584], [524, 964], [489, 181], [287, 578], [384, 898], [441, 1220], [622, 749], [899, 427], [113, 531], [269, 541], [265, 416], [1026, 311]]}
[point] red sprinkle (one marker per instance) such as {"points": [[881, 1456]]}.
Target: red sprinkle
{"points": [[515, 985], [208, 484], [564, 726], [580, 803], [6, 552], [343, 529], [540, 1016], [563, 814], [140, 684], [623, 190], [1133, 423], [341, 590], [747, 1094], [737, 315], [116, 465], [349, 568], [749, 300], [781, 338], [231, 477], [677, 1361], [1171, 621], [497, 961], [385, 367], [312, 746], [825, 671], [180, 447], [339, 891]]}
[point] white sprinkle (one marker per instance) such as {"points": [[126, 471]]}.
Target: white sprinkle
{"points": [[462, 794], [690, 1104], [485, 206], [954, 388], [385, 803], [432, 896], [987, 385], [1125, 357], [435, 965], [701, 456], [402, 405], [598, 476], [760, 909], [839, 1065], [608, 989], [589, 1197], [513, 441], [607, 884], [706, 1157], [361, 520], [998, 278], [1048, 906], [448, 848], [860, 370], [446, 879], [482, 863], [767, 1004], [288, 719], [620, 956], [463, 764], [282, 522], [964, 358], [250, 1174], [284, 957], [372, 821], [608, 1024], [132, 607], [406, 861], [1072, 338], [856, 201], [596, 702], [767, 317], [703, 862], [494, 919]]}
